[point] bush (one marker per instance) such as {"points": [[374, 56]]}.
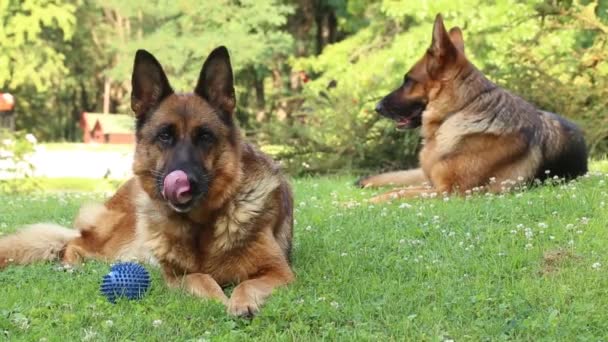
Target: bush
{"points": [[15, 168]]}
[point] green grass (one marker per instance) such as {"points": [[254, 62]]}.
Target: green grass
{"points": [[76, 184], [484, 268]]}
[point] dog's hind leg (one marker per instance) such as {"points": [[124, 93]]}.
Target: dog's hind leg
{"points": [[413, 177], [403, 193]]}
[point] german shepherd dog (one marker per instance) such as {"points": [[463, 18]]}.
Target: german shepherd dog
{"points": [[475, 134], [210, 209]]}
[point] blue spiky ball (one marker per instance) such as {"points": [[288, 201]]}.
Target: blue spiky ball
{"points": [[127, 280]]}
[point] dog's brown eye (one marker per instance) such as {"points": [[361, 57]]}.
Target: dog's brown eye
{"points": [[165, 136], [408, 80], [204, 137]]}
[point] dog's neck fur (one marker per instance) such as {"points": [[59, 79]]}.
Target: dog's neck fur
{"points": [[443, 106]]}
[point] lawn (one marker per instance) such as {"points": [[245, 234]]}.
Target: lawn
{"points": [[530, 265]]}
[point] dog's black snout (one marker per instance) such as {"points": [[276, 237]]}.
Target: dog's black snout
{"points": [[379, 107], [194, 183]]}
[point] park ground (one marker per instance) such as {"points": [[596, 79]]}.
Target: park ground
{"points": [[529, 265]]}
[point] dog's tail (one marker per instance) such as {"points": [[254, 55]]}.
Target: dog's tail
{"points": [[37, 242]]}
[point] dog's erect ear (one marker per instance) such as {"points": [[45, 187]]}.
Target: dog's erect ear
{"points": [[456, 38], [149, 82], [442, 50], [216, 82]]}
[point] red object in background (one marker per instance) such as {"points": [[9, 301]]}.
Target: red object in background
{"points": [[304, 76], [107, 128], [7, 102]]}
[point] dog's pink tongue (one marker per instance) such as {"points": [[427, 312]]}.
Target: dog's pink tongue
{"points": [[176, 187]]}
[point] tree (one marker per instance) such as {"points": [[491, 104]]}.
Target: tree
{"points": [[181, 34]]}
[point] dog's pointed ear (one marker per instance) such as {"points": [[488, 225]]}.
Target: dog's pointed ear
{"points": [[149, 83], [216, 81], [442, 50], [456, 38]]}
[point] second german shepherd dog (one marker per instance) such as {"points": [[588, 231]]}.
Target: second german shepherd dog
{"points": [[475, 134], [209, 208]]}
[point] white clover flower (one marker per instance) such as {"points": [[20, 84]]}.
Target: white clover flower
{"points": [[542, 225], [596, 265], [89, 334], [405, 206], [157, 323], [528, 246]]}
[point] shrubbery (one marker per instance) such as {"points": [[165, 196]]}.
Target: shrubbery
{"points": [[15, 167]]}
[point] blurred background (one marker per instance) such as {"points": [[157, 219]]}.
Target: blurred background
{"points": [[308, 72]]}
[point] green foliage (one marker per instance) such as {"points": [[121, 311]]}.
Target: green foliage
{"points": [[553, 55], [48, 63], [15, 148], [29, 34], [182, 34]]}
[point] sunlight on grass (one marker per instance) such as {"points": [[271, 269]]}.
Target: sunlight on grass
{"points": [[599, 165]]}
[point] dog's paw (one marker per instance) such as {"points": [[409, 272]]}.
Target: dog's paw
{"points": [[243, 303], [363, 182]]}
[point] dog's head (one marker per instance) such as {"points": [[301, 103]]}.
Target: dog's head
{"points": [[188, 146], [439, 66]]}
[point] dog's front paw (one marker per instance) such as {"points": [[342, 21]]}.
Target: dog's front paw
{"points": [[242, 303], [363, 182]]}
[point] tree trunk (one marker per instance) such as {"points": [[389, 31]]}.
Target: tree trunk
{"points": [[258, 83], [327, 27], [106, 94]]}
